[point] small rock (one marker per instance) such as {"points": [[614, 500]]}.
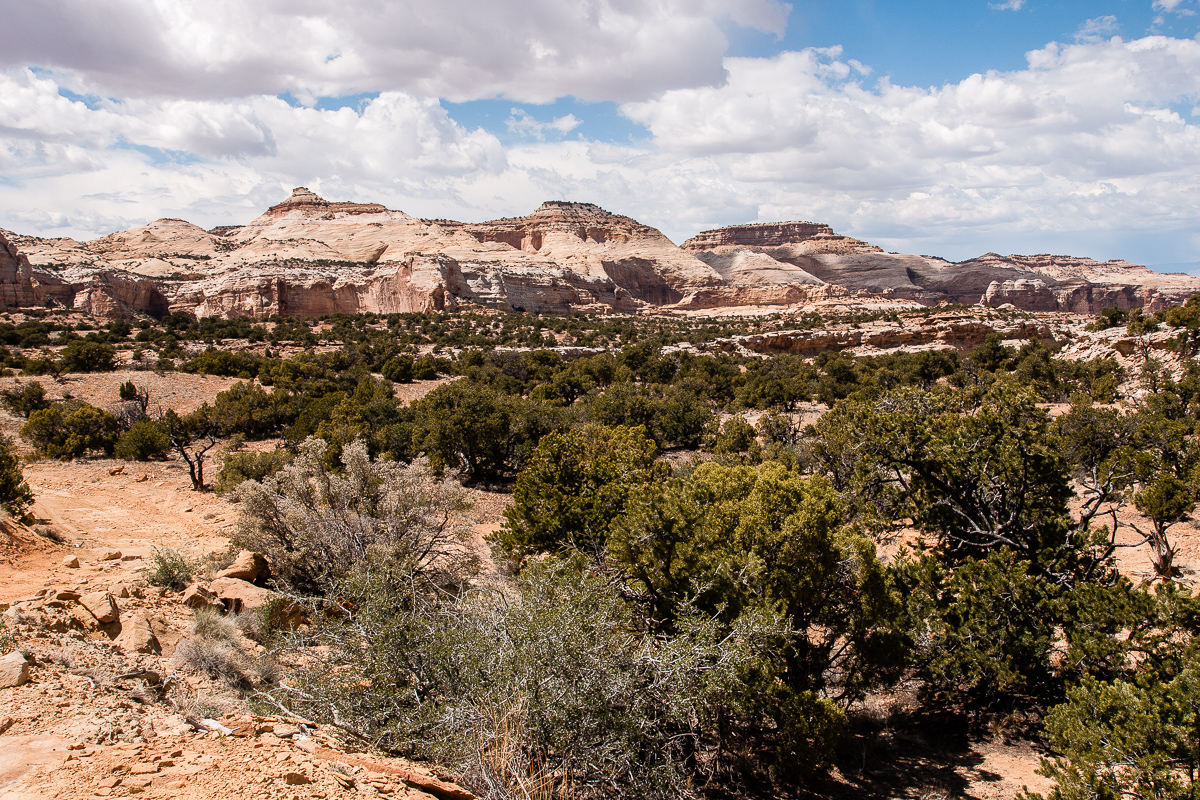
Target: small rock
{"points": [[101, 605], [110, 555], [176, 785], [108, 783], [248, 566], [196, 596], [214, 726], [137, 636], [5, 723], [296, 779], [66, 594], [143, 769], [285, 731], [14, 670], [71, 562], [116, 470], [130, 557], [141, 478]]}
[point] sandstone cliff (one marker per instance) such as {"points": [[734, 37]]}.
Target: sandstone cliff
{"points": [[798, 252], [307, 256]]}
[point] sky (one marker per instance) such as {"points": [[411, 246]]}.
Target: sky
{"points": [[942, 127]]}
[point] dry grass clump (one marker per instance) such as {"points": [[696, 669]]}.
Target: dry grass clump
{"points": [[214, 649]]}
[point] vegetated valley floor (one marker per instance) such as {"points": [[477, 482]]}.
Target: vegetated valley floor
{"points": [[49, 750]]}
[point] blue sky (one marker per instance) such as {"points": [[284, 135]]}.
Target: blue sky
{"points": [[948, 128]]}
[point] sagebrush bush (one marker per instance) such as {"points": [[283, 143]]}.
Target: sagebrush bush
{"points": [[554, 684], [313, 524]]}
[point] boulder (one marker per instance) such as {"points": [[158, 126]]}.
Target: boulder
{"points": [[247, 566], [110, 555], [239, 595], [101, 605], [71, 562], [137, 636], [196, 596], [14, 670], [82, 619]]}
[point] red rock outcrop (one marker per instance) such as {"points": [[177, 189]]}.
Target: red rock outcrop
{"points": [[16, 285]]}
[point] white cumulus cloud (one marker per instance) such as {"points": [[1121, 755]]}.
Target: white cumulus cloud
{"points": [[1091, 148], [535, 50]]}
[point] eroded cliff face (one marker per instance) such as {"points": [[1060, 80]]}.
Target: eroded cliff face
{"points": [[797, 252], [16, 286], [307, 256]]}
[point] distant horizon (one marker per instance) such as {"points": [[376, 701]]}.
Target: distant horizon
{"points": [[1186, 267]]}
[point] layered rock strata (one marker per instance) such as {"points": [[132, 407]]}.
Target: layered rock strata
{"points": [[308, 256]]}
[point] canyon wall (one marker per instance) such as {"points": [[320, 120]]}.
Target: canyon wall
{"points": [[307, 256]]}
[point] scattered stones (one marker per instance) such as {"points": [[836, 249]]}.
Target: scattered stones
{"points": [[248, 566], [110, 555], [14, 670], [137, 636], [71, 562]]}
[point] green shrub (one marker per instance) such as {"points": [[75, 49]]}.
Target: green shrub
{"points": [[145, 440], [170, 568], [26, 399], [66, 433], [82, 355], [15, 495], [735, 436], [424, 369], [399, 369], [574, 488], [246, 466]]}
